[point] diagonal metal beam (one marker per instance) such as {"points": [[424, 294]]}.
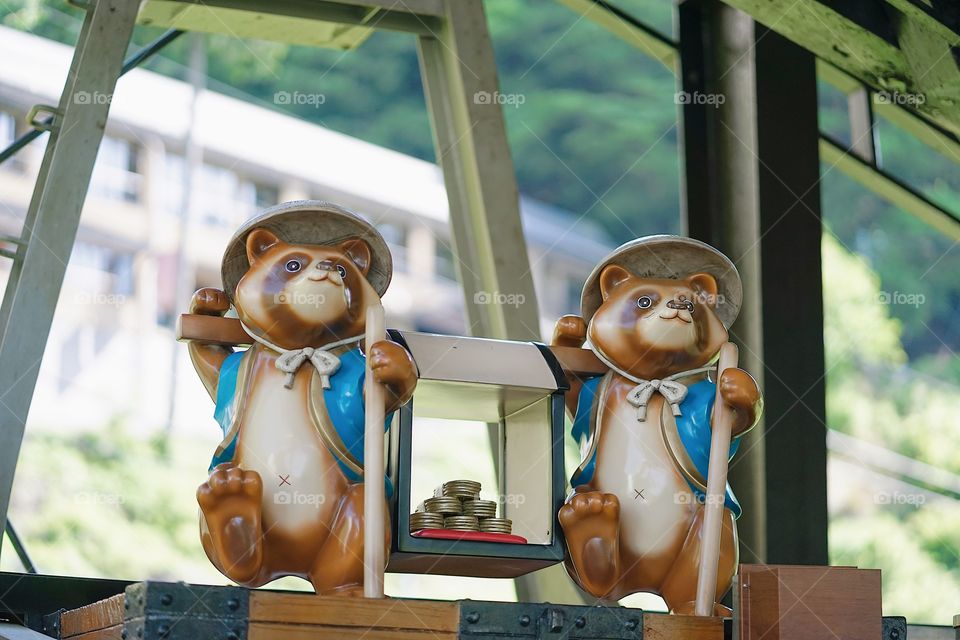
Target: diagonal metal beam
{"points": [[52, 218], [460, 82], [628, 28], [889, 188]]}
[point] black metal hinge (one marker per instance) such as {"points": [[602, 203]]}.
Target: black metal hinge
{"points": [[894, 628], [548, 621], [168, 611]]}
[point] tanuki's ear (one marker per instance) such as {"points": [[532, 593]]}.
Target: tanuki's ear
{"points": [[705, 285], [358, 250], [259, 241], [611, 277]]}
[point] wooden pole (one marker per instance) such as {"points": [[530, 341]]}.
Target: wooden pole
{"points": [[374, 561], [722, 426]]}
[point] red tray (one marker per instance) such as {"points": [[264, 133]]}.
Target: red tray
{"points": [[473, 536]]}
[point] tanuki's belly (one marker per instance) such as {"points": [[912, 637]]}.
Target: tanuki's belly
{"points": [[656, 504], [302, 484]]}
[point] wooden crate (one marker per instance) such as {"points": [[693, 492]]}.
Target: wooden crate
{"points": [[780, 602], [157, 610]]}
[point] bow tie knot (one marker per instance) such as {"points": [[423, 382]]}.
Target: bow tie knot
{"points": [[672, 391], [323, 361]]}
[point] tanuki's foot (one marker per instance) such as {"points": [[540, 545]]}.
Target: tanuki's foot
{"points": [[591, 526], [230, 501]]}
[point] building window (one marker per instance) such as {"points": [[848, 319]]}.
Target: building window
{"points": [[116, 175], [8, 133], [105, 270], [446, 267], [396, 237], [222, 197], [8, 129], [574, 289], [266, 195]]}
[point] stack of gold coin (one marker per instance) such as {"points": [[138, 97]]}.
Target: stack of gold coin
{"points": [[465, 489], [424, 520], [461, 523], [446, 505], [496, 525], [479, 508]]}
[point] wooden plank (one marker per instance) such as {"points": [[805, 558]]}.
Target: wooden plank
{"points": [[661, 626], [228, 331], [389, 613], [93, 617], [110, 633], [581, 362], [211, 330], [261, 631]]}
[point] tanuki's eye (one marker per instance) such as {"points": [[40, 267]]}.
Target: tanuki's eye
{"points": [[645, 302], [342, 270], [293, 266]]}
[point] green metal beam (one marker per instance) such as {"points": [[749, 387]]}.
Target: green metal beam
{"points": [[628, 28], [889, 188], [865, 44]]}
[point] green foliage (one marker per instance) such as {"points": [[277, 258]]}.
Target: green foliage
{"points": [[915, 583], [111, 504]]}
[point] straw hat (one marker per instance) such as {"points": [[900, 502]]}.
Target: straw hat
{"points": [[670, 257], [308, 222]]}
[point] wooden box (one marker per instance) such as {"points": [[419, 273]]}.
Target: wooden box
{"points": [[165, 611], [778, 602]]}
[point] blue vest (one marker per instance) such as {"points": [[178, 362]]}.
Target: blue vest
{"points": [[693, 427], [343, 400]]}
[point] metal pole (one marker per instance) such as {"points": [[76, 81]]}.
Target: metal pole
{"points": [[19, 548], [752, 169], [192, 163]]}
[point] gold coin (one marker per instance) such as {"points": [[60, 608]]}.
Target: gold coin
{"points": [[445, 505]]}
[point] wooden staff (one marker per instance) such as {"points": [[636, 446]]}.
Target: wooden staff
{"points": [[722, 427], [374, 561]]}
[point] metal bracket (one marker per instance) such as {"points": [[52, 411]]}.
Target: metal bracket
{"points": [[179, 611], [894, 628], [548, 621], [48, 124]]}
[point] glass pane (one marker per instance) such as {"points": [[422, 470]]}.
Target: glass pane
{"points": [[891, 298]]}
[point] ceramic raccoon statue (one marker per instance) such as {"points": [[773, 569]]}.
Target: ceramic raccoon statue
{"points": [[285, 492], [656, 311]]}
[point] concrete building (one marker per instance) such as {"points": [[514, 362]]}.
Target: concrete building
{"points": [[111, 349]]}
